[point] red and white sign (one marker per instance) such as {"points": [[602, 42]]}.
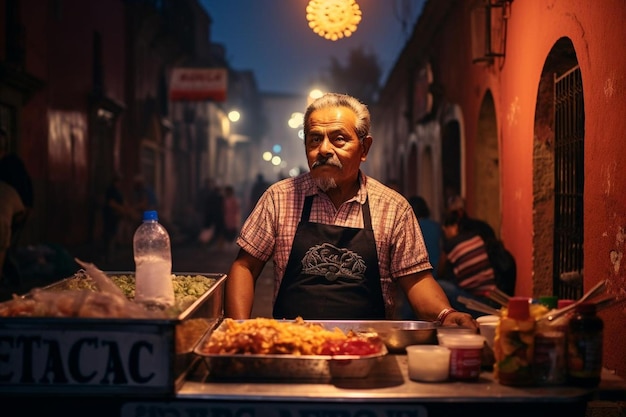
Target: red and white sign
{"points": [[197, 84]]}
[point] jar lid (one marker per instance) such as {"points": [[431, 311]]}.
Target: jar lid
{"points": [[519, 308], [550, 301]]}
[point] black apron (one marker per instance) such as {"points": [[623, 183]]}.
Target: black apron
{"points": [[332, 272]]}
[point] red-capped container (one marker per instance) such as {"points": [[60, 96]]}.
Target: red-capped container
{"points": [[465, 355], [514, 345]]}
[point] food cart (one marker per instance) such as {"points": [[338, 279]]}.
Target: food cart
{"points": [[135, 368]]}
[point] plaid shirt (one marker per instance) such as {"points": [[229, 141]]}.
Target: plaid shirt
{"points": [[271, 227]]}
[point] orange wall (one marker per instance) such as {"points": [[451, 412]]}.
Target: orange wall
{"points": [[596, 30]]}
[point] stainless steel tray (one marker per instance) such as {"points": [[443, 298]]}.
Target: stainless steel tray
{"points": [[276, 367], [94, 356], [396, 334]]}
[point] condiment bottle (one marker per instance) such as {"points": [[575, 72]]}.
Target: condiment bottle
{"points": [[514, 344], [584, 347]]}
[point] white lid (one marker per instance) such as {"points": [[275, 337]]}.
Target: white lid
{"points": [[488, 319], [462, 341]]}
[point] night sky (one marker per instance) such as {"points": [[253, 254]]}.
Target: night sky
{"points": [[272, 38]]}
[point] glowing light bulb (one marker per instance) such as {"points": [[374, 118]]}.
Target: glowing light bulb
{"points": [[333, 19]]}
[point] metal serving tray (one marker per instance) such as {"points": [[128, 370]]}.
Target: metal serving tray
{"points": [[273, 367], [93, 356], [396, 334]]}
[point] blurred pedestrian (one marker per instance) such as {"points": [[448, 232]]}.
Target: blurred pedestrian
{"points": [[232, 214], [258, 188], [115, 212], [212, 213], [143, 198], [16, 203]]}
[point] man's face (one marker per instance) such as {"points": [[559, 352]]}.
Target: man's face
{"points": [[334, 152]]}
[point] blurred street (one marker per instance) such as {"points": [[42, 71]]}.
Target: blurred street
{"points": [[186, 257]]}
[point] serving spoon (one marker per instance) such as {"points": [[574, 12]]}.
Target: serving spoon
{"points": [[555, 314]]}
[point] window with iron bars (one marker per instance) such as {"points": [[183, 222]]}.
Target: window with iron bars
{"points": [[569, 132]]}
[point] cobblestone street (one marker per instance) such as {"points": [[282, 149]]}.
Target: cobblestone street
{"points": [[186, 257]]}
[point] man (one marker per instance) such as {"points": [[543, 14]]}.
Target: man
{"points": [[340, 241]]}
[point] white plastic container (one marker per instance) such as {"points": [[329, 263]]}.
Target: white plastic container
{"points": [[429, 363], [153, 262]]}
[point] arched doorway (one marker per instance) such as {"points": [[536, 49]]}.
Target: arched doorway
{"points": [[451, 162], [558, 175], [486, 201]]}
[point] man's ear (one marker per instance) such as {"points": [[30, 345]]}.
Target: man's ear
{"points": [[367, 143]]}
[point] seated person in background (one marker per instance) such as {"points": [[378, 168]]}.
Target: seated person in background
{"points": [[457, 204], [340, 241], [465, 269]]}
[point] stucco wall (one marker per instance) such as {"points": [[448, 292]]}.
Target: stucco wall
{"points": [[597, 32]]}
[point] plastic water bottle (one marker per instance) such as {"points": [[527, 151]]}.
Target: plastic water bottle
{"points": [[153, 262]]}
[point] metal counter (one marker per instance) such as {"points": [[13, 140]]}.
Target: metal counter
{"points": [[387, 391], [388, 381]]}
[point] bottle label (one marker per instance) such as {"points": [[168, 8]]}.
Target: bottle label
{"points": [[465, 363], [153, 281]]}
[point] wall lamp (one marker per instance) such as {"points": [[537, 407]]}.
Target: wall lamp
{"points": [[488, 26]]}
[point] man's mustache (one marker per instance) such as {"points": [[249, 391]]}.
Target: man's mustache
{"points": [[332, 161]]}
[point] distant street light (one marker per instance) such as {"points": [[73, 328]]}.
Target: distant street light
{"points": [[295, 120], [234, 116], [315, 94]]}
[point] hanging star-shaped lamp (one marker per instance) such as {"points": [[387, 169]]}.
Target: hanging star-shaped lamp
{"points": [[333, 19]]}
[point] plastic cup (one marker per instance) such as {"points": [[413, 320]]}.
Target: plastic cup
{"points": [[428, 363]]}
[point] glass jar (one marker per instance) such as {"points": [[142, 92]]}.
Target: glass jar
{"points": [[584, 347]]}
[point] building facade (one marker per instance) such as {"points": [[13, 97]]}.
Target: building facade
{"points": [[517, 105], [84, 95]]}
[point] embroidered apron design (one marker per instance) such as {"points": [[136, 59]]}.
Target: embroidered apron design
{"points": [[333, 262]]}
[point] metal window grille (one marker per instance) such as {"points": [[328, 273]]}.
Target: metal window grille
{"points": [[569, 131]]}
